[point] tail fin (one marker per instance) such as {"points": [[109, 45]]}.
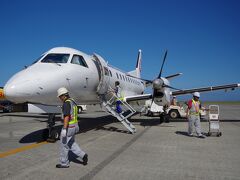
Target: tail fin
{"points": [[137, 71]]}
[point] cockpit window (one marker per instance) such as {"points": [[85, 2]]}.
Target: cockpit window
{"points": [[79, 60], [56, 58]]}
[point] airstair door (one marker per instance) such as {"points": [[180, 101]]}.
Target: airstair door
{"points": [[104, 82]]}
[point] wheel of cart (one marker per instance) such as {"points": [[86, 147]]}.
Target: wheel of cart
{"points": [[213, 119]]}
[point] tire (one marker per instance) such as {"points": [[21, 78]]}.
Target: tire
{"points": [[55, 134], [166, 118], [173, 114], [80, 109]]}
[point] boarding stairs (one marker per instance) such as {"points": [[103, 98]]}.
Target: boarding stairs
{"points": [[128, 111]]}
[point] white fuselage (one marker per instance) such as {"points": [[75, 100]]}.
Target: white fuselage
{"points": [[39, 82]]}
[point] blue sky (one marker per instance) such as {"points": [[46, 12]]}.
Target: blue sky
{"points": [[202, 36]]}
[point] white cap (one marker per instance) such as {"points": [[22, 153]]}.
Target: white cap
{"points": [[197, 94], [62, 91]]}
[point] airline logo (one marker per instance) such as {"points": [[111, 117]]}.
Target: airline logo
{"points": [[1, 94]]}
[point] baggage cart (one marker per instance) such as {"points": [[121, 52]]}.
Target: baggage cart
{"points": [[213, 119]]}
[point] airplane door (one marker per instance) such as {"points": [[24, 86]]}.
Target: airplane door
{"points": [[104, 75]]}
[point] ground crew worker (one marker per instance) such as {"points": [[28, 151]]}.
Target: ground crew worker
{"points": [[174, 101], [119, 97], [193, 114], [70, 128]]}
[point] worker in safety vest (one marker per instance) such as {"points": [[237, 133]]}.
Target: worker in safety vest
{"points": [[70, 128], [118, 93], [193, 114]]}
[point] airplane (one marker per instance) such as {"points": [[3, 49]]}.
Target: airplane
{"points": [[90, 80], [1, 94]]}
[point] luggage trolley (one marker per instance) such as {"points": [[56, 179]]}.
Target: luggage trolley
{"points": [[213, 119]]}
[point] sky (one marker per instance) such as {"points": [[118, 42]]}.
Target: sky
{"points": [[202, 37]]}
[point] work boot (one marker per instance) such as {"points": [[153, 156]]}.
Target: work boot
{"points": [[85, 159], [201, 136], [191, 134], [61, 166]]}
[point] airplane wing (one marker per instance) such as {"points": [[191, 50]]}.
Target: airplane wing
{"points": [[205, 89], [138, 97]]}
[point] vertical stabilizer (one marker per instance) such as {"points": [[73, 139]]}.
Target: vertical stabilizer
{"points": [[137, 71], [139, 63]]}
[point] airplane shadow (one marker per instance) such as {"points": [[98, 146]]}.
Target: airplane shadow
{"points": [[85, 125], [98, 123], [27, 115]]}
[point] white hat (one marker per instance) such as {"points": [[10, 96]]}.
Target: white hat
{"points": [[62, 91], [197, 94]]}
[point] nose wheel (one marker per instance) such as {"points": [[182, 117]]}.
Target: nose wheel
{"points": [[51, 134]]}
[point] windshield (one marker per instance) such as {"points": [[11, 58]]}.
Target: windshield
{"points": [[56, 58]]}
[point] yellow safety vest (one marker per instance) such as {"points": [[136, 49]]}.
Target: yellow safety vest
{"points": [[73, 111], [195, 109], [121, 98], [119, 93]]}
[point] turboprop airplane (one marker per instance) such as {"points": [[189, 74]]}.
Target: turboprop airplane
{"points": [[89, 78]]}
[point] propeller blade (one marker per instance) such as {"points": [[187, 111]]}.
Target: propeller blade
{"points": [[171, 87], [173, 75], [165, 55]]}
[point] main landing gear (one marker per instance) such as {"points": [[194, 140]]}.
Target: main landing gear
{"points": [[164, 117], [51, 134]]}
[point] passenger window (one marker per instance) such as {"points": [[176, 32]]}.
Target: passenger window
{"points": [[117, 75], [76, 59]]}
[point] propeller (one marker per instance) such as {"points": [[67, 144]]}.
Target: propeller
{"points": [[160, 82], [164, 59]]}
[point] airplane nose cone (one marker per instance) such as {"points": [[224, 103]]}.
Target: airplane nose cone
{"points": [[16, 92]]}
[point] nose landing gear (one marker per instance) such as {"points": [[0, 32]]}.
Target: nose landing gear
{"points": [[51, 134]]}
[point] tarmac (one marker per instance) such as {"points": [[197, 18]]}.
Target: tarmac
{"points": [[156, 151]]}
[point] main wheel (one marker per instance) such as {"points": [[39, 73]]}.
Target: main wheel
{"points": [[219, 134]]}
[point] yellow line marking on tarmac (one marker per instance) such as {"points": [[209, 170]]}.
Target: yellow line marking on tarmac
{"points": [[21, 149]]}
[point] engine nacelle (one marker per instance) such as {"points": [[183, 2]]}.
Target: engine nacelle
{"points": [[161, 93], [162, 97]]}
